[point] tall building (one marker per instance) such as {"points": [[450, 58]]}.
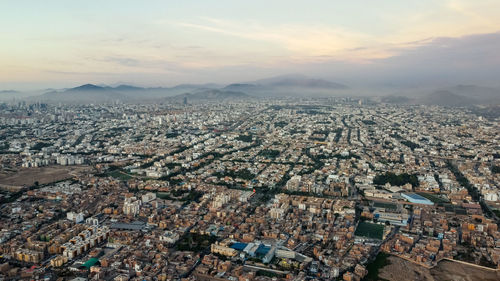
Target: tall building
{"points": [[131, 206], [294, 183]]}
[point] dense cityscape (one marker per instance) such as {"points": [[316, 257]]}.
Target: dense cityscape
{"points": [[259, 189]]}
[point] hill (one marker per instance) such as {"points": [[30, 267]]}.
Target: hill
{"points": [[447, 98], [289, 85], [87, 93]]}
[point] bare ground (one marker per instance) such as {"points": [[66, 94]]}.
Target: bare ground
{"points": [[400, 269], [28, 176]]}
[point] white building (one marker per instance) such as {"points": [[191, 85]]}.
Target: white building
{"points": [[276, 213], [76, 217], [169, 237], [131, 206], [148, 197], [220, 200], [92, 221], [294, 183], [84, 241], [491, 196]]}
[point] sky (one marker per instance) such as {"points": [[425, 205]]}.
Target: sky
{"points": [[50, 44]]}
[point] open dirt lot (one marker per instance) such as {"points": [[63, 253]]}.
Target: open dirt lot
{"points": [[28, 176], [400, 269]]}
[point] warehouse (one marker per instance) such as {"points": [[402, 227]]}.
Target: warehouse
{"points": [[417, 199]]}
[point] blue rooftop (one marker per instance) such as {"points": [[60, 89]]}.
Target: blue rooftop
{"points": [[262, 250], [415, 196], [239, 246]]}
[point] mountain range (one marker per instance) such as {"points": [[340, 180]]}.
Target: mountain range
{"points": [[280, 86], [290, 85], [460, 95]]}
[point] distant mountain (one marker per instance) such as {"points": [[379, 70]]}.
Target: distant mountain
{"points": [[3, 92], [396, 99], [88, 93], [6, 95], [128, 88], [447, 98], [139, 94], [462, 95], [209, 95], [299, 81], [242, 87], [87, 87], [197, 86], [484, 95], [288, 85]]}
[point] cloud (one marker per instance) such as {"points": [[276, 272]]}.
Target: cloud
{"points": [[297, 40], [430, 43], [442, 60], [431, 61], [123, 61], [317, 43]]}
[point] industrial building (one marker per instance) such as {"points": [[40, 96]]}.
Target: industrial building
{"points": [[416, 199]]}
